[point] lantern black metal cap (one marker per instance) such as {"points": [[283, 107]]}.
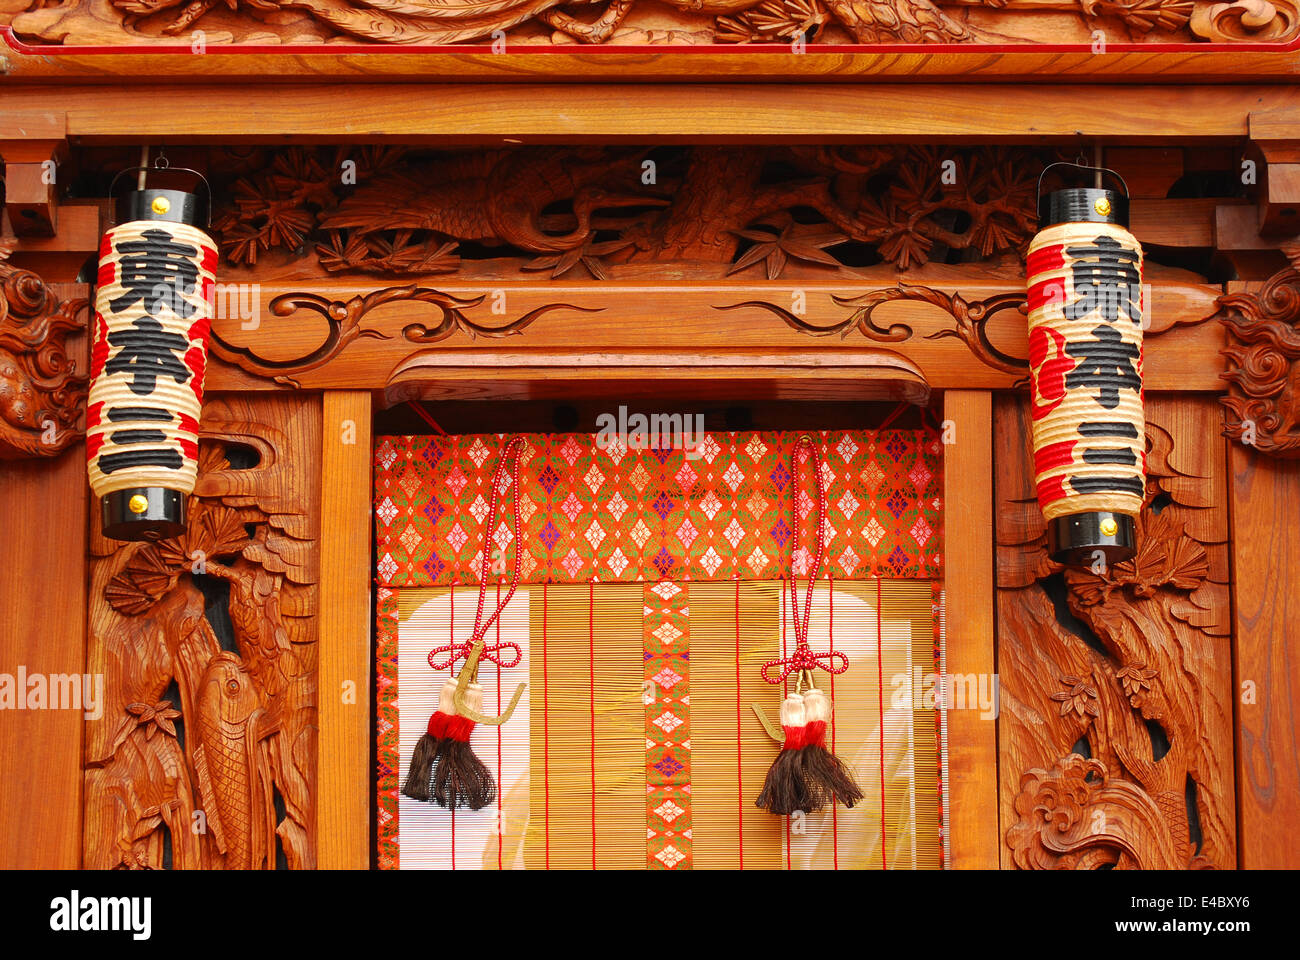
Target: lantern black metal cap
{"points": [[1094, 204], [1080, 539], [174, 206], [143, 513], [164, 203]]}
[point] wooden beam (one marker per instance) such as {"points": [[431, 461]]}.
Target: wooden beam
{"points": [[1266, 634], [31, 201], [32, 135], [447, 115], [1237, 239], [1276, 140], [1202, 63], [968, 583], [694, 317], [343, 757], [43, 632]]}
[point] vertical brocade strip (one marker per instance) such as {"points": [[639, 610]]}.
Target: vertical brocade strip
{"points": [[666, 694]]}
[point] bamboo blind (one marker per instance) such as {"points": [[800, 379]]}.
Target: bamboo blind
{"points": [[572, 761]]}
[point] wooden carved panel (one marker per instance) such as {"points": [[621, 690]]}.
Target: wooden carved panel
{"points": [[207, 643], [1115, 732], [1263, 362], [41, 391], [574, 212], [642, 22]]}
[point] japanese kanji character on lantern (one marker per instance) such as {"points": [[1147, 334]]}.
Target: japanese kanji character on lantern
{"points": [[153, 308], [1084, 272]]}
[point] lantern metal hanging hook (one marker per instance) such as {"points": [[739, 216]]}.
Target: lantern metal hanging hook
{"points": [[1078, 166], [163, 165]]}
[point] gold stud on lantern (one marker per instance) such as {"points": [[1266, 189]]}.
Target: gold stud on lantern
{"points": [[1085, 370], [153, 307]]}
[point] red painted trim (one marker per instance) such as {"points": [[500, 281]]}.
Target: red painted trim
{"points": [[182, 48]]}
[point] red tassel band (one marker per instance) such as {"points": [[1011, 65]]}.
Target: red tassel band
{"points": [[444, 726]]}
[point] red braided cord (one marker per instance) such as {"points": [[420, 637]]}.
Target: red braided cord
{"points": [[803, 659], [801, 628], [494, 652]]}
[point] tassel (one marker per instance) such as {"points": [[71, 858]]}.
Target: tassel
{"points": [[443, 768], [827, 778], [785, 788]]}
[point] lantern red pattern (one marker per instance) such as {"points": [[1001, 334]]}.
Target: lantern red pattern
{"points": [[1085, 359]]}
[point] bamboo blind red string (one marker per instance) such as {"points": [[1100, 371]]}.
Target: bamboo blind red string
{"points": [[546, 739], [835, 817], [500, 775], [426, 416], [591, 653], [786, 689], [898, 411], [740, 782], [880, 673], [451, 639]]}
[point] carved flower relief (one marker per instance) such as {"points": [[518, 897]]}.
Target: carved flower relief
{"points": [[1135, 679], [1081, 698], [155, 718]]}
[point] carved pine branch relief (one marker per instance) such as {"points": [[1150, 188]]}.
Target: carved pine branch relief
{"points": [[207, 735], [1116, 726], [571, 212]]}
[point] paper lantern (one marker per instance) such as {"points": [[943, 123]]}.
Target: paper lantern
{"points": [[1085, 354], [153, 307]]}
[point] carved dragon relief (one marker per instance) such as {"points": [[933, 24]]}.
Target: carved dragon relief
{"points": [[626, 22], [41, 392], [1116, 730], [1263, 370], [200, 772]]}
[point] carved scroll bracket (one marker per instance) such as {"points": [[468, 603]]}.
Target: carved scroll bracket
{"points": [[1263, 370], [41, 392]]}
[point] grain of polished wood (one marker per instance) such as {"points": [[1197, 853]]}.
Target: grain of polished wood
{"points": [[652, 112], [343, 811], [42, 628], [355, 61], [968, 585], [1266, 628]]}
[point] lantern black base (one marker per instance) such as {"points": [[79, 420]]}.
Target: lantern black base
{"points": [[163, 515], [1078, 539]]}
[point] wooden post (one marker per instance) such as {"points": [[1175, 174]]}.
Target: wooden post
{"points": [[1266, 630], [343, 764], [43, 629], [968, 583]]}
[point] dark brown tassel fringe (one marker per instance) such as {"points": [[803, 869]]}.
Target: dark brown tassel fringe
{"points": [[785, 789], [828, 777], [421, 769], [460, 778]]}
